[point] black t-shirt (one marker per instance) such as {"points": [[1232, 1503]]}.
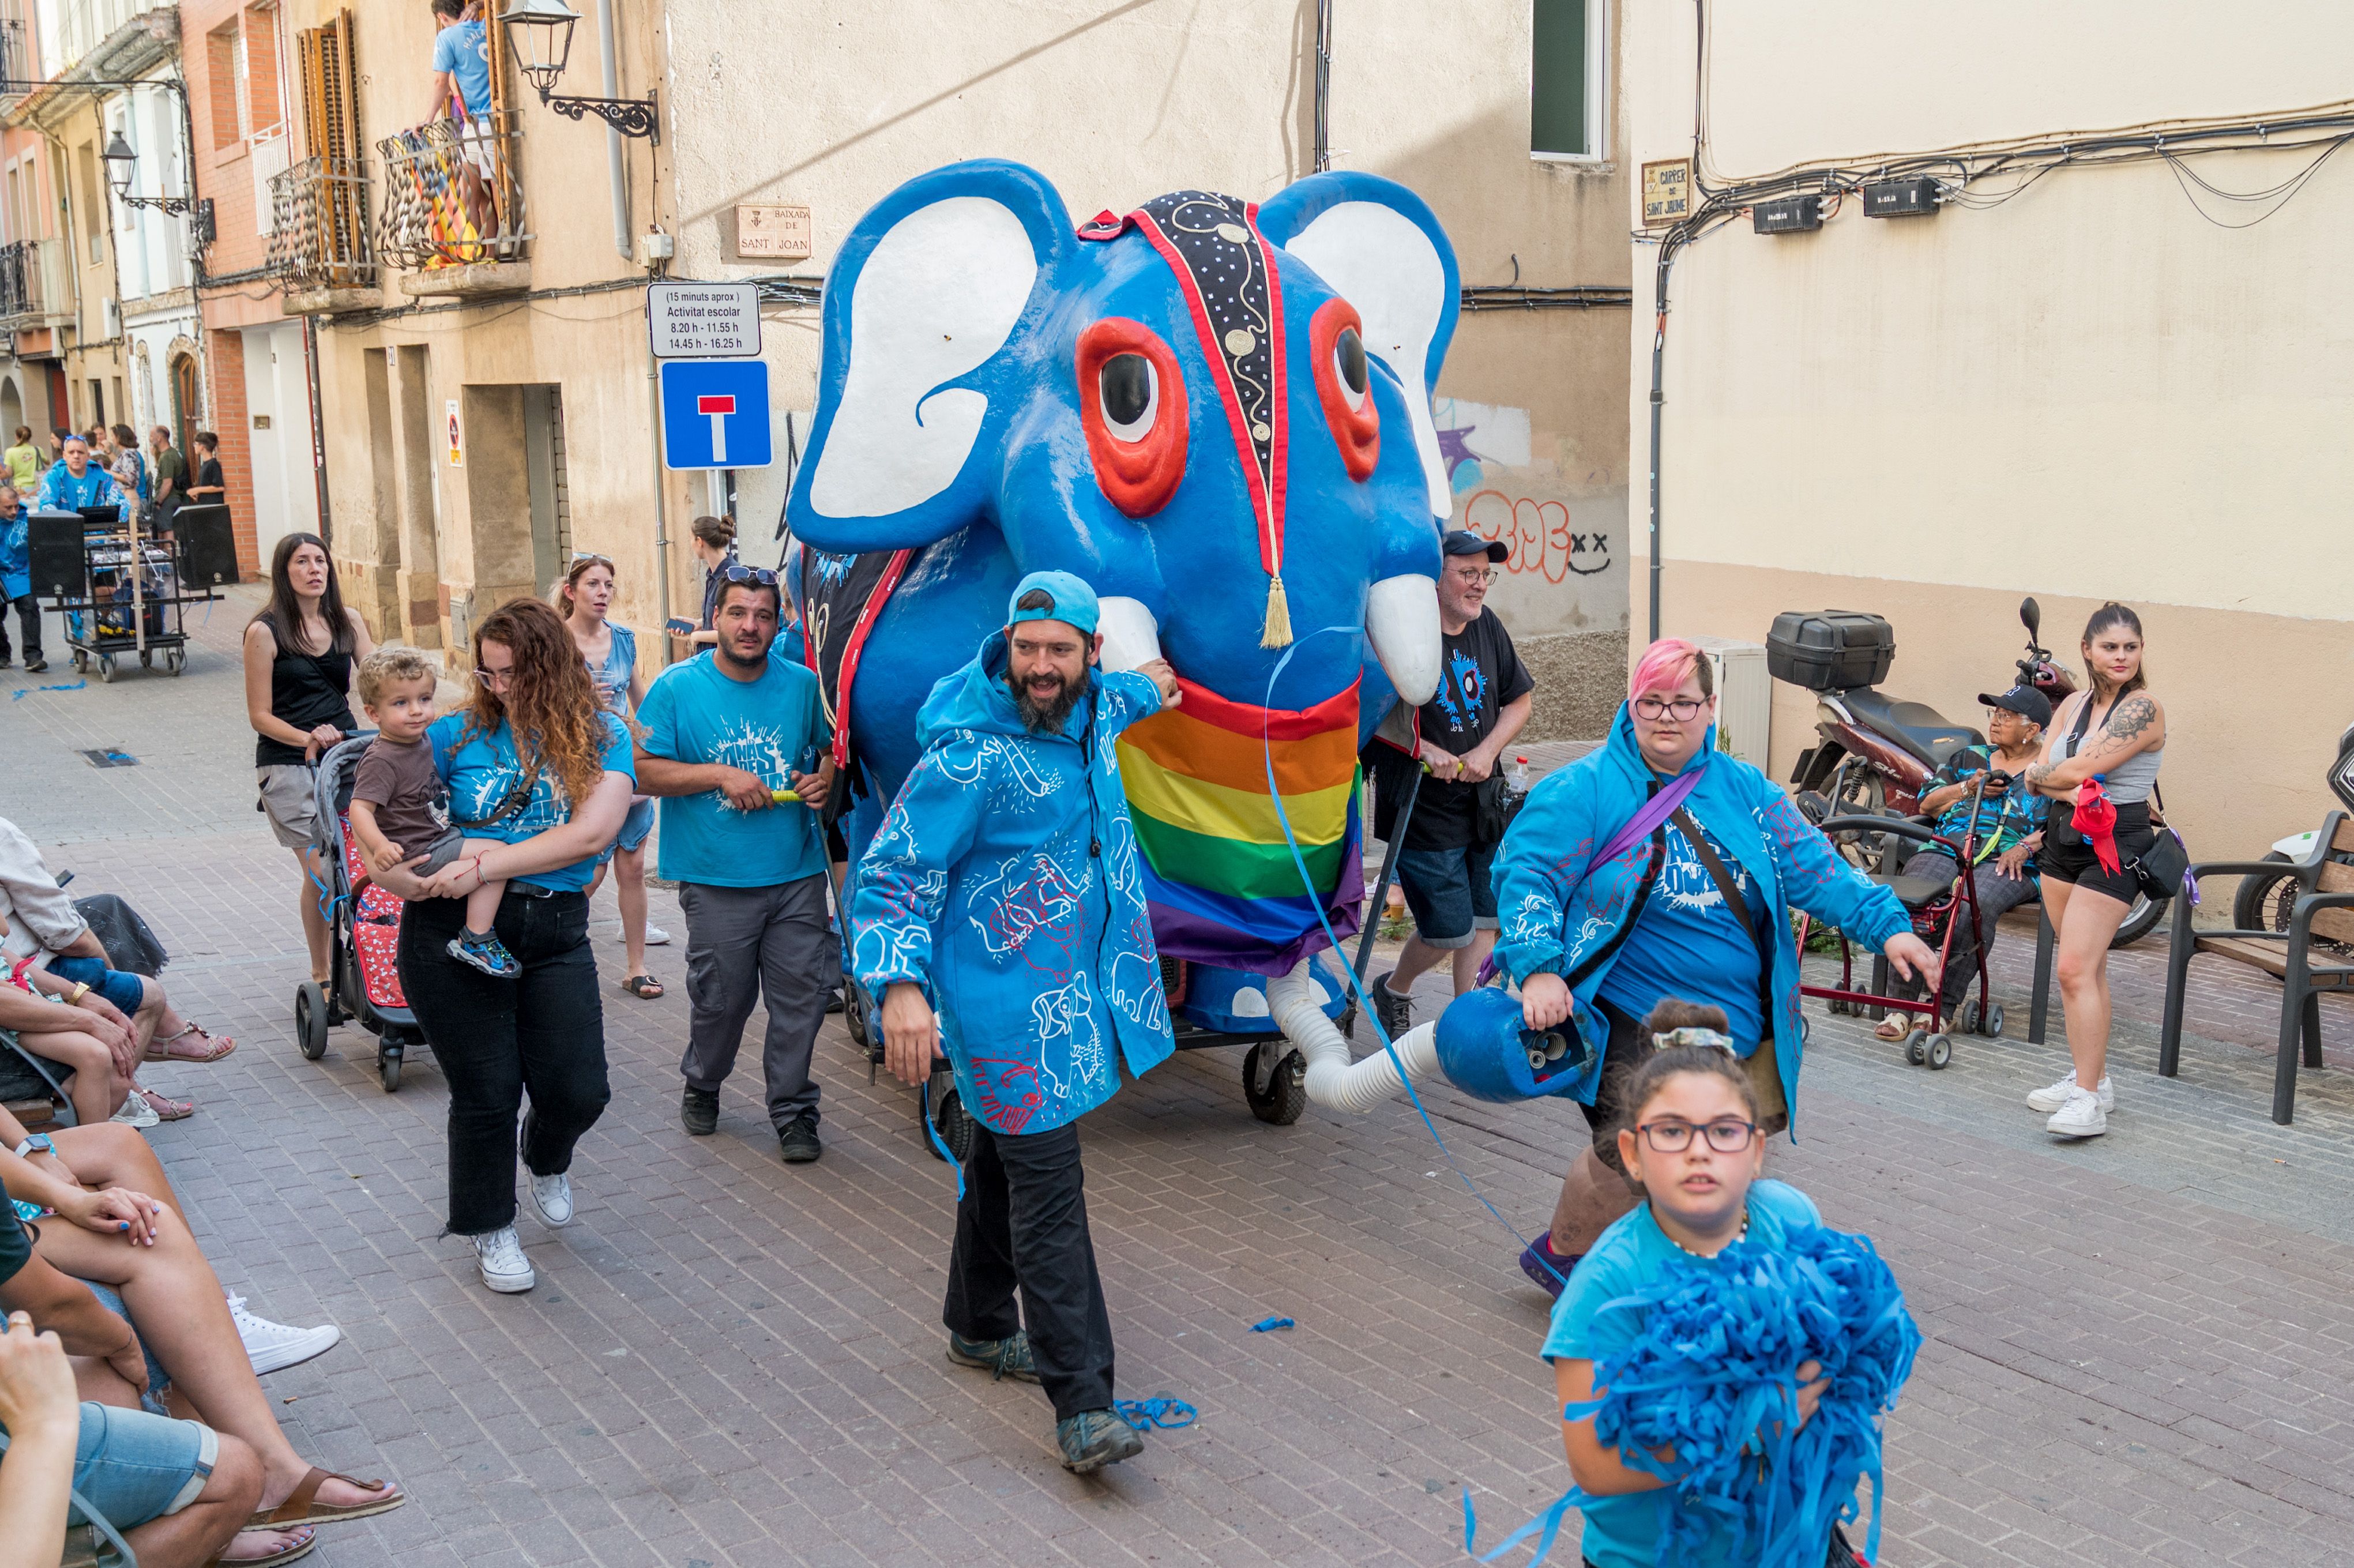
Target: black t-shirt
{"points": [[1480, 675], [306, 690], [208, 473]]}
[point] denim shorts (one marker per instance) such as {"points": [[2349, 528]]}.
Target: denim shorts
{"points": [[133, 1467], [123, 989], [635, 829], [1451, 893]]}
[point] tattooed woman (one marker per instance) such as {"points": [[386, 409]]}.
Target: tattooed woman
{"points": [[2115, 732]]}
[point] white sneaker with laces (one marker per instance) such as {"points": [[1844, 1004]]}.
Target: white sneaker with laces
{"points": [[504, 1267], [274, 1347], [552, 1196], [2052, 1097], [657, 938], [2081, 1117]]}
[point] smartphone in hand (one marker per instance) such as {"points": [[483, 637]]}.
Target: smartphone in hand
{"points": [[677, 627]]}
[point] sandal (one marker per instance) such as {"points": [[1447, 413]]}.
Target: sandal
{"points": [[166, 1109], [645, 988], [159, 1049], [1894, 1028], [302, 1505], [300, 1540]]}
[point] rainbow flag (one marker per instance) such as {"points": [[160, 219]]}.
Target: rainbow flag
{"points": [[1219, 877]]}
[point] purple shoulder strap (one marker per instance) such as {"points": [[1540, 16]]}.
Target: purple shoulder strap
{"points": [[1656, 810]]}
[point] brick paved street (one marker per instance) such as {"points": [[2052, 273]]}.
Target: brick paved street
{"points": [[2140, 1349]]}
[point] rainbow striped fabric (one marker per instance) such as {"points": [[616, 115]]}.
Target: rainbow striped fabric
{"points": [[1221, 880]]}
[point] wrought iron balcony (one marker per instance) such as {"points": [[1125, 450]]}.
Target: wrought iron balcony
{"points": [[320, 233], [451, 197], [34, 288], [19, 279]]}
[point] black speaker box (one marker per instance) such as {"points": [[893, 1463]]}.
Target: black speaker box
{"points": [[54, 543], [207, 547]]}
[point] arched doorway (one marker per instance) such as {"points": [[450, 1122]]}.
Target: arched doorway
{"points": [[12, 409], [187, 409]]}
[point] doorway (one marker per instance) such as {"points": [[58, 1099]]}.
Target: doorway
{"points": [[188, 412]]}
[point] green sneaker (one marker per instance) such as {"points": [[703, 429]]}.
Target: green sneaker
{"points": [[1009, 1357], [1094, 1438]]}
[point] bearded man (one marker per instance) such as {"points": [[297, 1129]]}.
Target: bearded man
{"points": [[999, 917]]}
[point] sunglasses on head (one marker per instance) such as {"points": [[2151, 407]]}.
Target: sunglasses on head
{"points": [[740, 573]]}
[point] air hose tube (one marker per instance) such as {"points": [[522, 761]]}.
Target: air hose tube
{"points": [[1333, 1080]]}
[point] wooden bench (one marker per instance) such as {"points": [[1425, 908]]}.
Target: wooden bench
{"points": [[2324, 909]]}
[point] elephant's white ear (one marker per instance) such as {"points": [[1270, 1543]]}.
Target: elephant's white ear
{"points": [[939, 295], [1380, 247]]}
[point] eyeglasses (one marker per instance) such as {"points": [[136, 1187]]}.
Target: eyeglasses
{"points": [[740, 573], [1726, 1135], [493, 678], [1681, 708], [1473, 574]]}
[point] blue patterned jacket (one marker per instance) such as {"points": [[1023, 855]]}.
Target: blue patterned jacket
{"points": [[1005, 881], [1555, 908]]}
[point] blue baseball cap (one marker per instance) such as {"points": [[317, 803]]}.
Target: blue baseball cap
{"points": [[1053, 596]]}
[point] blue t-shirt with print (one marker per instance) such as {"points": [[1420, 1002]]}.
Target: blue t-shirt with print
{"points": [[697, 713], [465, 50], [1688, 943], [1624, 1531], [482, 773]]}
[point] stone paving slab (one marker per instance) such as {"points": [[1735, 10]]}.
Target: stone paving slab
{"points": [[2139, 1348]]}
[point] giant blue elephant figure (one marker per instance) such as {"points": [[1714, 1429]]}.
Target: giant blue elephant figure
{"points": [[1216, 413]]}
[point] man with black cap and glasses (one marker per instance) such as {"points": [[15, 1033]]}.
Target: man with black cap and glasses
{"points": [[2009, 823], [1458, 740], [725, 732]]}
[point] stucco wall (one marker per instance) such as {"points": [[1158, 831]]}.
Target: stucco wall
{"points": [[2090, 391]]}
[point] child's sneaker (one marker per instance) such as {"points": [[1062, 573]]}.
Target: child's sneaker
{"points": [[486, 953]]}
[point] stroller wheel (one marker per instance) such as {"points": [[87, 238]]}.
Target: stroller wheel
{"points": [[387, 1067], [1915, 1052], [1992, 1023], [311, 1020], [1968, 1022], [1940, 1053]]}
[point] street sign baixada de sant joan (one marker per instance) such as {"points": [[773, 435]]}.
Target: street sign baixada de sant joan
{"points": [[703, 321]]}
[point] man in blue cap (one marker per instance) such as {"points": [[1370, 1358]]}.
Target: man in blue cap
{"points": [[999, 917]]}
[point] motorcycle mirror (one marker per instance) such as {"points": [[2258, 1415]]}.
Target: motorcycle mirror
{"points": [[2033, 615]]}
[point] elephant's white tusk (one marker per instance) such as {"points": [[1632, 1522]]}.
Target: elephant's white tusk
{"points": [[1132, 637], [1402, 623]]}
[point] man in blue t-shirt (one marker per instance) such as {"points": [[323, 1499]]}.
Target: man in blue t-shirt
{"points": [[723, 732]]}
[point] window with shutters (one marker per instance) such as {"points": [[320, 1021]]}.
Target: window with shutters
{"points": [[320, 237], [1569, 79]]}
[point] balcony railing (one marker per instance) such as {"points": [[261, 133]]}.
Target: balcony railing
{"points": [[320, 229], [18, 271], [451, 195], [33, 284]]}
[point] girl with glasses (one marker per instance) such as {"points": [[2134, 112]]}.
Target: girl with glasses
{"points": [[1689, 1133], [1651, 864]]}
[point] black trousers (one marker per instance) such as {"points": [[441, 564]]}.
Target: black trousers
{"points": [[543, 1031], [29, 622], [1024, 1222]]}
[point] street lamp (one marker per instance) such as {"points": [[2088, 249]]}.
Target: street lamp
{"points": [[121, 162], [540, 32]]}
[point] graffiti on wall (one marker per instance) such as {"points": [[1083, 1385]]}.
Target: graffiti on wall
{"points": [[1557, 529]]}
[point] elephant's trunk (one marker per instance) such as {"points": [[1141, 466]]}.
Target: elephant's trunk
{"points": [[1333, 1080]]}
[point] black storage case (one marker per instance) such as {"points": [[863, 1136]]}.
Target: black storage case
{"points": [[1829, 650]]}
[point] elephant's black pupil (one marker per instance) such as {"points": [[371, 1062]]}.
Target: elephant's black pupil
{"points": [[1350, 352], [1127, 387]]}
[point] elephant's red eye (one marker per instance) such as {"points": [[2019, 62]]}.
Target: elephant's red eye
{"points": [[1336, 343], [1133, 406]]}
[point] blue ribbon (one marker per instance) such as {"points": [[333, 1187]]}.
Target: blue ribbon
{"points": [[1163, 1410], [1267, 1325], [21, 693]]}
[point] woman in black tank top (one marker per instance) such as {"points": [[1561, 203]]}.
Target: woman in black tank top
{"points": [[298, 655]]}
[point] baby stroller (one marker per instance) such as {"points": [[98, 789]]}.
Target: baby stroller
{"points": [[364, 986]]}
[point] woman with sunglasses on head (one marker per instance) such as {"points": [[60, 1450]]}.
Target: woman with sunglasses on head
{"points": [[1650, 865], [2113, 732], [300, 652], [584, 598], [536, 761], [713, 540]]}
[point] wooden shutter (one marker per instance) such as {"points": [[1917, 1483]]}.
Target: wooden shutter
{"points": [[331, 134]]}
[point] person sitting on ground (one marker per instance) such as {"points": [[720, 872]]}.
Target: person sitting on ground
{"points": [[49, 947], [400, 808], [179, 1493], [140, 1249], [2008, 826]]}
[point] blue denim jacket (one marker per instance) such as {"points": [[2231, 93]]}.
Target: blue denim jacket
{"points": [[1005, 880]]}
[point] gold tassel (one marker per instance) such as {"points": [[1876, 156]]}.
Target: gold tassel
{"points": [[1277, 633]]}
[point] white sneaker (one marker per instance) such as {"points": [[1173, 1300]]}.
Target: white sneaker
{"points": [[136, 1112], [504, 1267], [274, 1347], [657, 938], [552, 1196], [2081, 1117], [2052, 1097]]}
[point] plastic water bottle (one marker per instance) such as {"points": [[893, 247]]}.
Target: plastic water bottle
{"points": [[1516, 782]]}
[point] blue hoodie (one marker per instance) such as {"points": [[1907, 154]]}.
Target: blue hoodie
{"points": [[1005, 881], [1555, 908]]}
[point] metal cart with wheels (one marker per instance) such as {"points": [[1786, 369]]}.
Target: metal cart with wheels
{"points": [[83, 563]]}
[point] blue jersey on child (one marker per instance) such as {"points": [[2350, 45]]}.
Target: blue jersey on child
{"points": [[1624, 1531]]}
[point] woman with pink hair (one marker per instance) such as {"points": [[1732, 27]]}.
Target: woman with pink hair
{"points": [[1658, 867]]}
